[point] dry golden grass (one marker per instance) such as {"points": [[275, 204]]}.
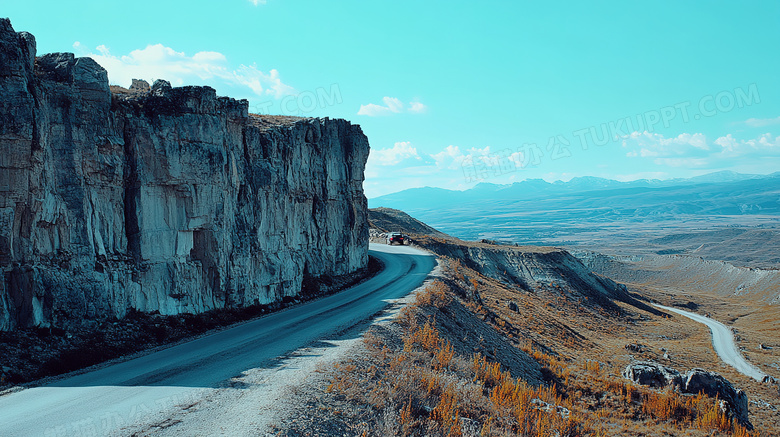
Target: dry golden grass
{"points": [[436, 294], [268, 121], [433, 389], [754, 322]]}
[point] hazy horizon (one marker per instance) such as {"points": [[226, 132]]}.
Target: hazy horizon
{"points": [[489, 181]]}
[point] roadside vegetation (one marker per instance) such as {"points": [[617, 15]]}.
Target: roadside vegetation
{"points": [[425, 374]]}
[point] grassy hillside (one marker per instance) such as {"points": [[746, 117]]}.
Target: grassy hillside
{"points": [[513, 340], [461, 360]]}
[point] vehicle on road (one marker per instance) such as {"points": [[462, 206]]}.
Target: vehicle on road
{"points": [[395, 237]]}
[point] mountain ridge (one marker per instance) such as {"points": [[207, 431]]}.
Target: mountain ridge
{"points": [[585, 183]]}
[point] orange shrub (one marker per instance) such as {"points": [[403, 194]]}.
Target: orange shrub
{"points": [[446, 413], [437, 294]]}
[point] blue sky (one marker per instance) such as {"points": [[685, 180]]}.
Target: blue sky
{"points": [[454, 93]]}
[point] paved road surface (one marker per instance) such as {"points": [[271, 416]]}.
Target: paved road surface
{"points": [[723, 342], [113, 398]]}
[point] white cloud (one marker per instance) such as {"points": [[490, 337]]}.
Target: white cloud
{"points": [[452, 158], [448, 157], [209, 57], [160, 62], [765, 145], [394, 155], [650, 156], [648, 145], [761, 122], [417, 107], [257, 2], [405, 166], [391, 105], [404, 160], [694, 151], [403, 155], [261, 83]]}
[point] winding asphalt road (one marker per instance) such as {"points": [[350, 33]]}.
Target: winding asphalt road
{"points": [[107, 400], [723, 342]]}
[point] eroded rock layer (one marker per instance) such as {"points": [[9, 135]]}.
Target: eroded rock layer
{"points": [[161, 199]]}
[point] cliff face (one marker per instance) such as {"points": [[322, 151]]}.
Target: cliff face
{"points": [[531, 268], [170, 199]]}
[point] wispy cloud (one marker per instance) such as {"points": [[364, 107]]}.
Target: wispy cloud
{"points": [[761, 122], [160, 62], [763, 146], [257, 2], [452, 158], [391, 105], [393, 155], [653, 145], [417, 107], [404, 166]]}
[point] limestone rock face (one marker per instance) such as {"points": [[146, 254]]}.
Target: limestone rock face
{"points": [[733, 401], [164, 199], [652, 374], [531, 269]]}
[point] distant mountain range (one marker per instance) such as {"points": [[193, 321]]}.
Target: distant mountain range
{"points": [[519, 211]]}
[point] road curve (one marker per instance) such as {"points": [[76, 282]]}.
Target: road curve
{"points": [[723, 342], [111, 398]]}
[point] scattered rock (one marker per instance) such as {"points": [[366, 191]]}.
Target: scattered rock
{"points": [[160, 87], [734, 401], [513, 306], [635, 347], [652, 374], [140, 86], [763, 404], [550, 408], [469, 427]]}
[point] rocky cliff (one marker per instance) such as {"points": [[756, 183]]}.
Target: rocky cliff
{"points": [[161, 199], [530, 267]]}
